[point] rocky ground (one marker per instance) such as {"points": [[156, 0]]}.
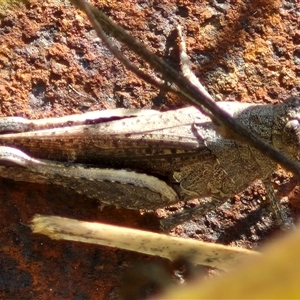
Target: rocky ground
{"points": [[52, 64]]}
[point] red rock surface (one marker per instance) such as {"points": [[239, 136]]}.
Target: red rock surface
{"points": [[52, 64]]}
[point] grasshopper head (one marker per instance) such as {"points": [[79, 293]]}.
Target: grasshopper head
{"points": [[286, 129]]}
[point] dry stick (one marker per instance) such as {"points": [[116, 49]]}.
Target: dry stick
{"points": [[209, 254], [185, 65], [224, 123]]}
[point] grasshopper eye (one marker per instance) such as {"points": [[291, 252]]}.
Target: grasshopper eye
{"points": [[291, 135]]}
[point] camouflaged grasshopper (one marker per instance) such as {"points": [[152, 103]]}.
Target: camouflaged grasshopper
{"points": [[148, 159]]}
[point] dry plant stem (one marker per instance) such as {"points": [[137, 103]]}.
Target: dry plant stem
{"points": [[185, 65], [225, 124], [210, 254]]}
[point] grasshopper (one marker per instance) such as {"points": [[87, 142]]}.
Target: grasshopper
{"points": [[145, 159]]}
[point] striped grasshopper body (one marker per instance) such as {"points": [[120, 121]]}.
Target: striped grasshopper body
{"points": [[145, 159]]}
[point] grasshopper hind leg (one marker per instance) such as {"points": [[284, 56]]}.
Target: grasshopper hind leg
{"points": [[121, 188]]}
